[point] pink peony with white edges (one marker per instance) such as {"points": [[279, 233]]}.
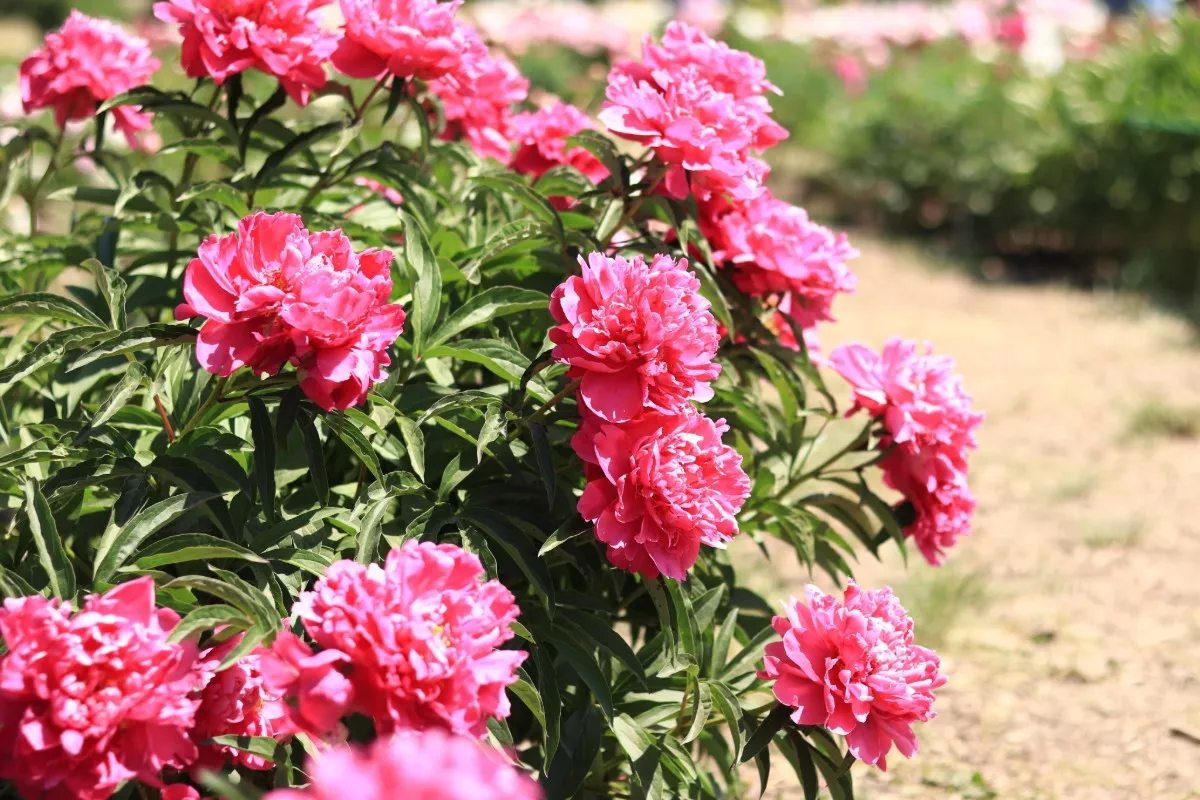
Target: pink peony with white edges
{"points": [[931, 427], [638, 336], [274, 292], [660, 487], [284, 38], [433, 765], [84, 63], [91, 699], [420, 638], [850, 664], [403, 38]]}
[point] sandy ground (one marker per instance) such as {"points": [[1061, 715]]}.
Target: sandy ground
{"points": [[1069, 622]]}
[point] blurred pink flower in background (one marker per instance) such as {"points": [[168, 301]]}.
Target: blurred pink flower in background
{"points": [[638, 336], [541, 138], [850, 664], [420, 636], [284, 38], [931, 426], [404, 38], [852, 72], [91, 699], [416, 766], [659, 487], [273, 292], [84, 63], [587, 29]]}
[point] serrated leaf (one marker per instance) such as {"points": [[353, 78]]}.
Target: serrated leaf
{"points": [[51, 554], [120, 543]]}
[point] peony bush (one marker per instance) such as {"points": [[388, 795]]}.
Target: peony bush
{"points": [[365, 426]]}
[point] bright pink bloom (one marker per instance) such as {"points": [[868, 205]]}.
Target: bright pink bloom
{"points": [[84, 63], [477, 98], [93, 699], [640, 337], [404, 38], [700, 106], [235, 702], [421, 636], [315, 692], [775, 249], [433, 765], [541, 138], [284, 38], [274, 292], [929, 421], [851, 666], [659, 487], [1011, 30], [180, 791]]}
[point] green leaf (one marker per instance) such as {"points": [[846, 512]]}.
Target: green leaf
{"points": [[220, 193], [221, 786], [545, 460], [702, 703], [498, 357], [264, 456], [261, 746], [547, 684], [13, 585], [591, 627], [632, 737], [44, 305], [802, 762], [685, 619], [44, 352], [425, 277], [528, 694], [353, 438], [144, 337], [414, 444], [51, 554], [610, 218], [370, 530], [585, 666], [537, 205], [112, 288], [518, 548], [118, 544], [302, 141], [604, 149], [727, 703], [314, 452], [489, 304], [766, 730], [130, 382], [272, 104], [571, 529], [234, 591], [191, 547], [721, 642]]}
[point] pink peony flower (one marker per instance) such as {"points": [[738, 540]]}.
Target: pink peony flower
{"points": [[315, 692], [640, 337], [235, 702], [387, 192], [93, 699], [420, 636], [284, 38], [541, 138], [929, 422], [273, 292], [433, 765], [852, 72], [700, 106], [180, 791], [404, 38], [659, 487], [851, 666], [775, 249], [477, 98], [84, 63]]}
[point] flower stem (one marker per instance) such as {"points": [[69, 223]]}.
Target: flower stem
{"points": [[210, 401]]}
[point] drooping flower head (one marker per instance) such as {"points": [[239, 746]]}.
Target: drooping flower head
{"points": [[541, 138], [403, 38], [235, 702], [84, 63], [850, 664], [659, 487], [699, 105], [433, 765], [929, 420], [477, 98], [420, 637], [775, 249], [273, 292], [92, 699], [640, 336], [284, 38]]}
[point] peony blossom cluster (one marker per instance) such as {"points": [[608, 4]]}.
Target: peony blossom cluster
{"points": [[641, 341], [283, 38], [930, 427], [777, 253], [477, 98], [413, 644], [701, 107], [541, 139], [850, 664], [84, 63], [402, 38], [92, 699], [433, 765], [273, 292]]}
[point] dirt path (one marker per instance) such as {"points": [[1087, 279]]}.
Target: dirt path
{"points": [[1069, 621]]}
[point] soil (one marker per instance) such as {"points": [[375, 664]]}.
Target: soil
{"points": [[1069, 621]]}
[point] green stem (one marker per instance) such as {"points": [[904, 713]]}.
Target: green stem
{"points": [[362, 109], [209, 402], [636, 205], [41, 184], [324, 179]]}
